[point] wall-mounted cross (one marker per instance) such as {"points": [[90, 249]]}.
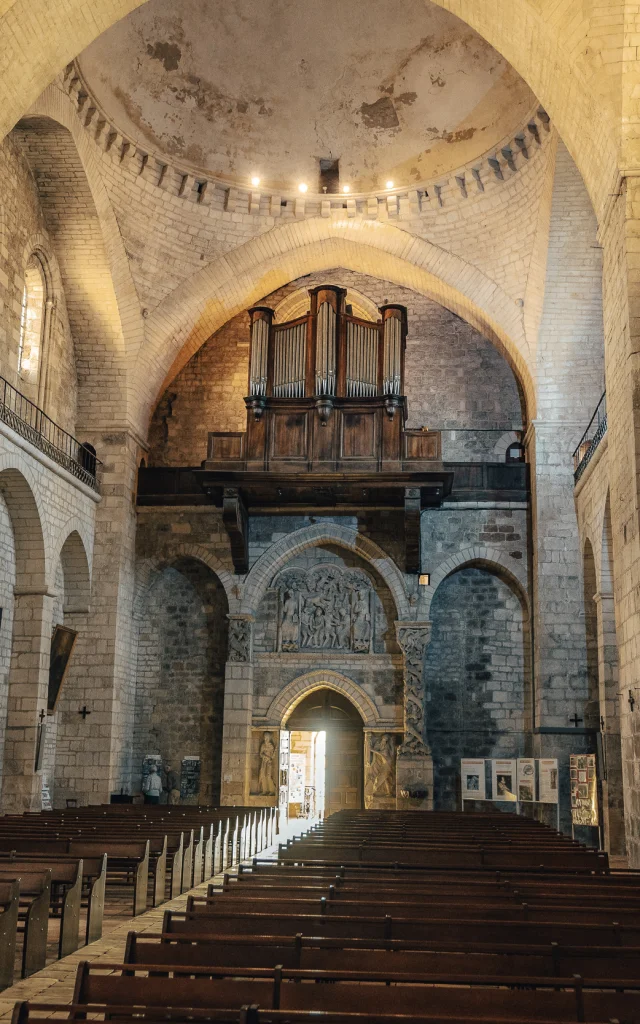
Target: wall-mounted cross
{"points": [[575, 720], [42, 716], [83, 711]]}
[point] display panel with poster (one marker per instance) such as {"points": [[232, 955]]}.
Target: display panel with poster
{"points": [[526, 779], [472, 778], [504, 779], [584, 794], [548, 780]]}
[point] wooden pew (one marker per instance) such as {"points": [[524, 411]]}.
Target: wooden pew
{"points": [[33, 916], [486, 998], [313, 953], [9, 907]]}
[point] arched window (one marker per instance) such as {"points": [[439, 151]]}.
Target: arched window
{"points": [[515, 452], [32, 321]]}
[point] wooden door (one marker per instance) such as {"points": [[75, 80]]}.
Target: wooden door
{"points": [[343, 770]]}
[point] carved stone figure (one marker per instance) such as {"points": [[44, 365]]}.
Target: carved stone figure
{"points": [[413, 639], [361, 622], [382, 769], [290, 626], [267, 753], [239, 640], [325, 608]]}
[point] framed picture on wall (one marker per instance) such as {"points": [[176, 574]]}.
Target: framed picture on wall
{"points": [[62, 644]]}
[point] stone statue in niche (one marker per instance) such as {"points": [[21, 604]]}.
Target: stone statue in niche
{"points": [[267, 754], [325, 608], [383, 766]]}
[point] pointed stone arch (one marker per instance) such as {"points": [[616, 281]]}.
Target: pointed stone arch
{"points": [[187, 317], [321, 679], [318, 535]]}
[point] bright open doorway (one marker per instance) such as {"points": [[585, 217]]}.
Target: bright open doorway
{"points": [[306, 774], [321, 757]]}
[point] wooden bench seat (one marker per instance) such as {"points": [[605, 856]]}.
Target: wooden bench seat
{"points": [[486, 998], [313, 953], [33, 915], [9, 908]]}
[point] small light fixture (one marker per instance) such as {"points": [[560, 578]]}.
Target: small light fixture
{"points": [[255, 181], [424, 579], [346, 188], [389, 184], [302, 187]]}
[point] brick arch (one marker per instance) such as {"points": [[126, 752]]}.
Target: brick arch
{"points": [[277, 556], [321, 679], [197, 308], [478, 557]]}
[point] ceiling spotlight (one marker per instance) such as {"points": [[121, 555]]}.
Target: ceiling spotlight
{"points": [[302, 187], [346, 188], [389, 184], [255, 181]]}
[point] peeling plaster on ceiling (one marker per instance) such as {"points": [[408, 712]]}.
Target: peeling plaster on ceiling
{"points": [[400, 90]]}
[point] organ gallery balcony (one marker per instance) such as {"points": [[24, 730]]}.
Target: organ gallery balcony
{"points": [[325, 431]]}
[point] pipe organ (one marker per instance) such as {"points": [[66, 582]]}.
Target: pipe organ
{"points": [[327, 354], [325, 429]]}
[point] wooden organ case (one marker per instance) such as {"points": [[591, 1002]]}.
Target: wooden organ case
{"points": [[325, 431]]}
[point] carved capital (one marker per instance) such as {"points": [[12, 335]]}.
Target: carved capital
{"points": [[413, 639], [240, 638]]}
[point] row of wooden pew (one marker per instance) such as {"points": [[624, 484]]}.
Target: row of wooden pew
{"points": [[63, 865], [432, 932]]}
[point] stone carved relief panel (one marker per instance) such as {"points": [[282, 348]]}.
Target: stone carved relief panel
{"points": [[325, 609], [239, 639], [380, 770], [264, 765]]}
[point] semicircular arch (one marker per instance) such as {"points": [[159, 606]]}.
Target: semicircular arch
{"points": [[19, 489], [478, 557], [319, 535]]}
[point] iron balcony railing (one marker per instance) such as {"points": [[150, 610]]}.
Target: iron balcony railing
{"points": [[590, 439], [23, 416]]}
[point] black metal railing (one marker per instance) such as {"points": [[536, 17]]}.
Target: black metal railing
{"points": [[23, 416], [590, 439]]}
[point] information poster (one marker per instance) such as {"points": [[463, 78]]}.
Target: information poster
{"points": [[472, 778], [526, 779], [584, 794], [189, 777], [548, 780], [504, 779]]}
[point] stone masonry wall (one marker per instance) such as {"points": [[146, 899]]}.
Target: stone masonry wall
{"points": [[475, 677], [180, 672], [23, 231]]}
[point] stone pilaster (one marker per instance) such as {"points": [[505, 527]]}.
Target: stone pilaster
{"points": [[27, 700], [238, 706], [414, 763], [612, 802]]}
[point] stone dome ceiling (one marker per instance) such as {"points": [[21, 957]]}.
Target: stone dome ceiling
{"points": [[395, 90]]}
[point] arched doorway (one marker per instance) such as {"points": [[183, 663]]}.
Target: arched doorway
{"points": [[327, 727]]}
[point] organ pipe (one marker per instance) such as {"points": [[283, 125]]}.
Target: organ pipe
{"points": [[326, 350]]}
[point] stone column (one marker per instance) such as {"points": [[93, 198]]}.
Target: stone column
{"points": [[414, 763], [612, 802], [619, 233], [27, 700], [238, 706]]}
